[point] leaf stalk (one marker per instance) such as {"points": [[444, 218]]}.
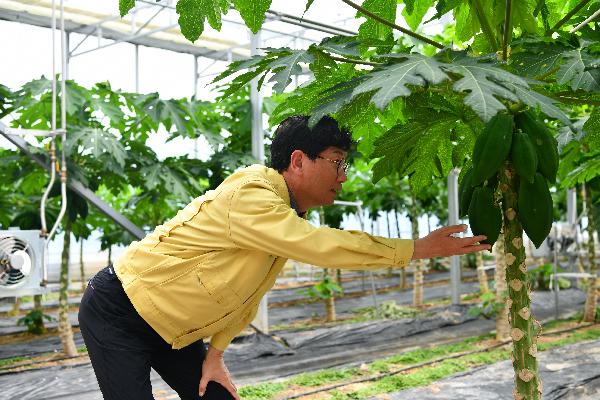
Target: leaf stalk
{"points": [[351, 61], [485, 25], [507, 34], [393, 25]]}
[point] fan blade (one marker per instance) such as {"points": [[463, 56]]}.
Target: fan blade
{"points": [[7, 244]]}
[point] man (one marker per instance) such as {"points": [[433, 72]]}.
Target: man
{"points": [[203, 273]]}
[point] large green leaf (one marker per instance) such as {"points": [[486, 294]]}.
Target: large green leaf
{"points": [[533, 58], [103, 145], [580, 70], [591, 128], [585, 172], [373, 29], [253, 12], [286, 66], [391, 81], [425, 146], [193, 14], [467, 24], [483, 82], [415, 11]]}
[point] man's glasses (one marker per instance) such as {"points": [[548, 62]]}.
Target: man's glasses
{"points": [[339, 164]]}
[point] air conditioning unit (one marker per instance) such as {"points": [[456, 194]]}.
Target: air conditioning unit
{"points": [[22, 263]]}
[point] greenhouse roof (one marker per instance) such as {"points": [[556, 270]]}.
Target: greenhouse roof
{"points": [[154, 24]]}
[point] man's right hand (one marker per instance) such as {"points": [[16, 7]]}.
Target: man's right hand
{"points": [[214, 369], [442, 243]]}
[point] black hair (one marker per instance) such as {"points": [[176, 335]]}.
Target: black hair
{"points": [[294, 134]]}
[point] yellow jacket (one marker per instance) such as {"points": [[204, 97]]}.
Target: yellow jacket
{"points": [[204, 272]]}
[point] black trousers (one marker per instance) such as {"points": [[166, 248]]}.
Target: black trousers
{"points": [[123, 347]]}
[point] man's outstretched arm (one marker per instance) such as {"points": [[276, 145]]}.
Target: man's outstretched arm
{"points": [[442, 243]]}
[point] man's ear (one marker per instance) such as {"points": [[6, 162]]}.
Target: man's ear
{"points": [[296, 159]]}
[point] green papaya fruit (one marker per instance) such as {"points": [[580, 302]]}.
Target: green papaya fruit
{"points": [[492, 147], [545, 144], [524, 156], [465, 191], [535, 208], [485, 217]]}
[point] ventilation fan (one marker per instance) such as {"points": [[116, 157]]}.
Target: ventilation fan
{"points": [[21, 263]]}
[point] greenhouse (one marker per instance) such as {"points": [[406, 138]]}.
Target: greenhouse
{"points": [[320, 199]]}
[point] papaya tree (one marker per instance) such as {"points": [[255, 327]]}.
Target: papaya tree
{"points": [[515, 59], [581, 167], [105, 148]]}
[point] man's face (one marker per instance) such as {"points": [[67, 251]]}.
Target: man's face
{"points": [[325, 176]]}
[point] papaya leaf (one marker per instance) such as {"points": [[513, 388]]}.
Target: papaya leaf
{"points": [[343, 45], [591, 128], [333, 100], [414, 12], [585, 172], [125, 6], [286, 66], [580, 70], [253, 12], [533, 58], [538, 100], [483, 82], [373, 29], [467, 24], [193, 14], [103, 145], [391, 80], [523, 15]]}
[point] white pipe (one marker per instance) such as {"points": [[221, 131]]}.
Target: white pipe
{"points": [[63, 122], [53, 126]]}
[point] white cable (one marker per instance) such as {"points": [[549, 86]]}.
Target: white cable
{"points": [[584, 23]]}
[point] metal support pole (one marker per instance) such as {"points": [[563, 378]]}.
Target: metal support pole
{"points": [[258, 151], [195, 77], [258, 148], [453, 220], [571, 206], [137, 68]]}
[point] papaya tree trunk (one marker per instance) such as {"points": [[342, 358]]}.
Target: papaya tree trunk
{"points": [[481, 275], [81, 266], [390, 270], [589, 313], [502, 326], [330, 301], [37, 301], [110, 253], [524, 328], [65, 330], [16, 307], [419, 264]]}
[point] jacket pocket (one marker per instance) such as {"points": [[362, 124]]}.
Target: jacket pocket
{"points": [[218, 288], [192, 300]]}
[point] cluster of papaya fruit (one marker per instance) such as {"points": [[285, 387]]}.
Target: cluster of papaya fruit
{"points": [[526, 142]]}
